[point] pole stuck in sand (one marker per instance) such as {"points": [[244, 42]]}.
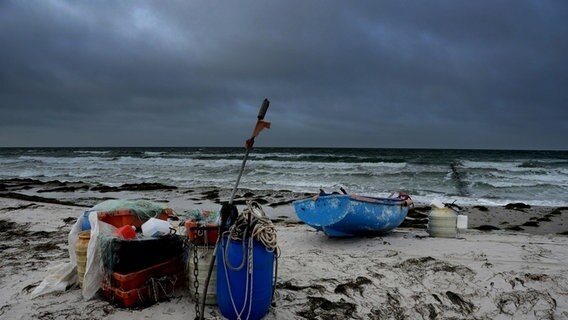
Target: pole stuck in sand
{"points": [[230, 209], [260, 125]]}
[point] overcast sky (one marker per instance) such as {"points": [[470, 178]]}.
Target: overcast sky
{"points": [[408, 74]]}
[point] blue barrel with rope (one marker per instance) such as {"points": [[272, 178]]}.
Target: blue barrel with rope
{"points": [[245, 275], [244, 278]]}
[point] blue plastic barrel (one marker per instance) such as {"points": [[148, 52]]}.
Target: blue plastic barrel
{"points": [[232, 284]]}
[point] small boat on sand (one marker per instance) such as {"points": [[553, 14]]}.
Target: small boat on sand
{"points": [[348, 215]]}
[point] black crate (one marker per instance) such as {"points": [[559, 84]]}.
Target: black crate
{"points": [[126, 256]]}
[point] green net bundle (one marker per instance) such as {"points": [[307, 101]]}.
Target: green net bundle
{"points": [[144, 209], [203, 217]]}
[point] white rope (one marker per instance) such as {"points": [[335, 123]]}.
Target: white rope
{"points": [[251, 271], [223, 248], [263, 229]]}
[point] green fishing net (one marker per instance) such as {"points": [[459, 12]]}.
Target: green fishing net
{"points": [[202, 217], [144, 209]]}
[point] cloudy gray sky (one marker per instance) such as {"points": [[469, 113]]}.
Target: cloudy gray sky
{"points": [[409, 74]]}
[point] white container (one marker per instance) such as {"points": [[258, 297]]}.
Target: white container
{"points": [[462, 222], [442, 222], [156, 228]]}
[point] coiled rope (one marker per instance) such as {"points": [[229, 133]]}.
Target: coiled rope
{"points": [[262, 228]]}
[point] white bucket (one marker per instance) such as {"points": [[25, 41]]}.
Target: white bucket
{"points": [[156, 228]]}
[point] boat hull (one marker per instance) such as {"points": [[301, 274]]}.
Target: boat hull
{"points": [[349, 215]]}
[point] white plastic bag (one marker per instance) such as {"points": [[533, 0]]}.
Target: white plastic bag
{"points": [[59, 277], [62, 275], [94, 271]]}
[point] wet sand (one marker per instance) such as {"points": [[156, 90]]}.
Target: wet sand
{"points": [[511, 263]]}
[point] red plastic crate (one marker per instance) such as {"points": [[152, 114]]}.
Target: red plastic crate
{"points": [[200, 235], [134, 280], [145, 295], [119, 218]]}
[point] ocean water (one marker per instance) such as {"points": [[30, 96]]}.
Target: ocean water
{"points": [[486, 177]]}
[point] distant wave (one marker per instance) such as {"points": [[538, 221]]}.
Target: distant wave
{"points": [[91, 152], [511, 184]]}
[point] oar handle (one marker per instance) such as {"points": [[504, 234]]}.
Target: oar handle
{"points": [[263, 109]]}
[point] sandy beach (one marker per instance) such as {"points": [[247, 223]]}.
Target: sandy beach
{"points": [[511, 264]]}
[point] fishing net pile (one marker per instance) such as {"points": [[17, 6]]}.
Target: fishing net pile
{"points": [[203, 217], [143, 209]]}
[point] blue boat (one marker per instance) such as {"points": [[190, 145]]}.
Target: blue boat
{"points": [[347, 215]]}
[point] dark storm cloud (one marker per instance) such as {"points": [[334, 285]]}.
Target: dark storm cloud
{"points": [[456, 74]]}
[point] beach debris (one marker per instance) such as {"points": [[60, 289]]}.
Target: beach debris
{"points": [[20, 196], [416, 214], [210, 194], [537, 277], [466, 307], [354, 285], [22, 207], [486, 227], [322, 308], [530, 224], [517, 206], [525, 302], [65, 188], [144, 186], [69, 220], [420, 266], [288, 285], [391, 309]]}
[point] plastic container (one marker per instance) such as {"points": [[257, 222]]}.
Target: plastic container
{"points": [[127, 256], [85, 224], [156, 228], [250, 293], [133, 280], [442, 222], [81, 253], [126, 232], [204, 258], [125, 217], [145, 295], [462, 222], [201, 235]]}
